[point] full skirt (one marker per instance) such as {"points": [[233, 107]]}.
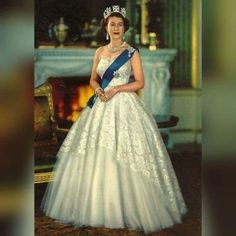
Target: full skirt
{"points": [[113, 171]]}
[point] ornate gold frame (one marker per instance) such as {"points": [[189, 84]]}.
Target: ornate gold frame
{"points": [[45, 90], [144, 22], [43, 177]]}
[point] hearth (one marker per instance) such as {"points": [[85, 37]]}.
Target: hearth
{"points": [[70, 96]]}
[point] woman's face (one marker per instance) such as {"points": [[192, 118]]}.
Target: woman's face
{"points": [[115, 27]]}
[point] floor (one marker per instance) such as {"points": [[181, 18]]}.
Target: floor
{"points": [[186, 160]]}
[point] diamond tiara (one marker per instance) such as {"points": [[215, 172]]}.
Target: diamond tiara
{"points": [[116, 8]]}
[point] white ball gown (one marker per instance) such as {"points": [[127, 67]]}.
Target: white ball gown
{"points": [[113, 169]]}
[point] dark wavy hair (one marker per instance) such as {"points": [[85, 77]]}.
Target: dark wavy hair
{"points": [[105, 21]]}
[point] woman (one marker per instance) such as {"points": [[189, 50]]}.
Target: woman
{"points": [[113, 169]]}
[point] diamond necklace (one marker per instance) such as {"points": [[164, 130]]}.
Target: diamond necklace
{"points": [[111, 49]]}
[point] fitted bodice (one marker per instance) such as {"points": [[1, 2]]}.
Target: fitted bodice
{"points": [[121, 76]]}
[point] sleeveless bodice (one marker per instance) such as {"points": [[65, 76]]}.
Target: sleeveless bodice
{"points": [[121, 76]]}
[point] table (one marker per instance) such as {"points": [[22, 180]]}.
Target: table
{"points": [[166, 121]]}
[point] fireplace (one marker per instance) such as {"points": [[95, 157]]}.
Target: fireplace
{"points": [[66, 62], [70, 96]]}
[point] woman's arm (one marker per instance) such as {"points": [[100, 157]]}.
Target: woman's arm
{"points": [[133, 86], [94, 79], [138, 76]]}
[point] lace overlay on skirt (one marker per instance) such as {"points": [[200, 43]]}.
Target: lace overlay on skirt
{"points": [[134, 140]]}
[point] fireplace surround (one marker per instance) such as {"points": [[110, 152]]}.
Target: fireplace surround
{"points": [[69, 62]]}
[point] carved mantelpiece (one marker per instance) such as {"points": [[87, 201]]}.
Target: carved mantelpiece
{"points": [[78, 62], [157, 75]]}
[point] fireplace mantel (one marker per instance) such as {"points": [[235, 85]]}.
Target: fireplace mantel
{"points": [[63, 62]]}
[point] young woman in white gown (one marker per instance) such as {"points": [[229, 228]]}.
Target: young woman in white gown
{"points": [[113, 169]]}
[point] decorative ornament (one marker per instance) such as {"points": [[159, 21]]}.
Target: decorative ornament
{"points": [[116, 74], [115, 49], [115, 8]]}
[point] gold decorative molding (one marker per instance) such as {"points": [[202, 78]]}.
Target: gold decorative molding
{"points": [[45, 90], [44, 177], [144, 22], [196, 44]]}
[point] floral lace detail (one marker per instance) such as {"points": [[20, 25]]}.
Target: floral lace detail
{"points": [[125, 128], [131, 134]]}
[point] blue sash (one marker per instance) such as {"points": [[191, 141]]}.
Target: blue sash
{"points": [[109, 73]]}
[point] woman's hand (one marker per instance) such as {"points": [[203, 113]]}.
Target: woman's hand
{"points": [[101, 94], [110, 93]]}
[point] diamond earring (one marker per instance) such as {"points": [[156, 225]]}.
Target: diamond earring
{"points": [[123, 37], [107, 36]]}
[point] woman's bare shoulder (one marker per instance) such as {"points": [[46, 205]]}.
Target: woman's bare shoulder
{"points": [[99, 51], [130, 47]]}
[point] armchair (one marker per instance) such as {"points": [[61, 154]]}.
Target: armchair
{"points": [[45, 137]]}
